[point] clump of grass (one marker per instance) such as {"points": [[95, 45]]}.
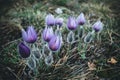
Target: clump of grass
{"points": [[8, 54]]}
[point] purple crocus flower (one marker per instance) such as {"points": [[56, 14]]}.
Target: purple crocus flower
{"points": [[55, 43], [71, 23], [30, 35], [50, 20], [98, 26], [24, 50], [59, 21], [81, 19], [47, 34]]}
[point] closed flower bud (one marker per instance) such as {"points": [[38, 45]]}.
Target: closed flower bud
{"points": [[55, 43], [71, 23], [81, 19], [70, 37], [49, 59], [88, 38], [80, 32], [31, 63], [30, 35], [36, 53], [98, 26], [50, 20], [59, 21], [47, 34], [45, 50], [24, 50]]}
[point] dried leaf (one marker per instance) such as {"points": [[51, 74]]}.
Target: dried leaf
{"points": [[61, 61], [112, 60], [91, 66]]}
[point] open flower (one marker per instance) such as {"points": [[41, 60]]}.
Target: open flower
{"points": [[50, 20], [98, 26], [81, 19], [59, 21], [30, 35], [47, 34], [24, 50], [55, 43], [71, 23]]}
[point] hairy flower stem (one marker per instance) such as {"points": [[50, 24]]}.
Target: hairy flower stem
{"points": [[57, 55], [36, 72], [79, 46], [80, 35], [84, 51], [57, 31], [69, 50], [80, 32], [98, 37]]}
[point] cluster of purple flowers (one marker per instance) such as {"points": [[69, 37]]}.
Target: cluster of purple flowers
{"points": [[29, 36], [53, 39], [73, 23], [50, 20], [78, 23]]}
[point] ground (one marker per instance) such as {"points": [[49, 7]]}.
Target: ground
{"points": [[103, 59]]}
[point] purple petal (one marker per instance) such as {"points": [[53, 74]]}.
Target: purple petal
{"points": [[24, 35], [55, 43], [32, 36], [24, 50], [98, 26], [50, 20], [71, 23], [59, 21], [81, 19], [47, 34], [33, 32]]}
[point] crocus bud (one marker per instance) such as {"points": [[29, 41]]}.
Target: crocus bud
{"points": [[47, 34], [98, 26], [70, 37], [80, 32], [81, 19], [59, 21], [71, 23], [30, 35], [45, 50], [50, 20], [31, 63], [36, 53], [55, 43], [24, 50], [88, 38], [49, 59]]}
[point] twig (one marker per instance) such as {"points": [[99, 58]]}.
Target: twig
{"points": [[83, 75], [110, 35], [11, 42], [115, 33]]}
